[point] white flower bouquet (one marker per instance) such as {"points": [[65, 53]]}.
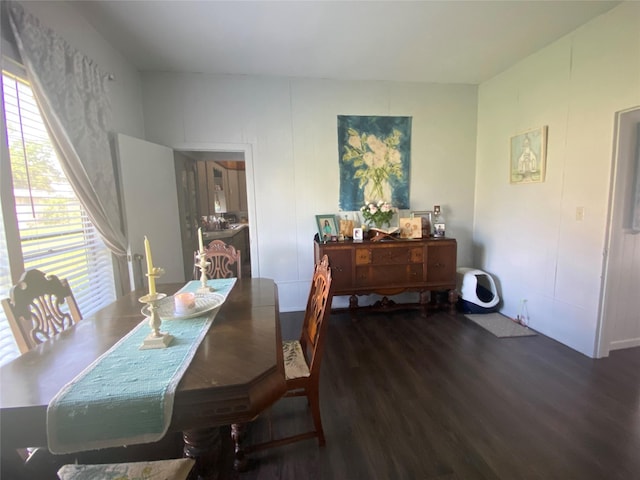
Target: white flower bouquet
{"points": [[378, 213]]}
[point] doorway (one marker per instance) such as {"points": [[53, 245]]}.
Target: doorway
{"points": [[224, 184]]}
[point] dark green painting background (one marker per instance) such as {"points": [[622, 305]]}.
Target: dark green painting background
{"points": [[351, 195]]}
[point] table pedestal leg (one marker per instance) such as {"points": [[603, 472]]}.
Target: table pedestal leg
{"points": [[204, 446], [240, 461]]}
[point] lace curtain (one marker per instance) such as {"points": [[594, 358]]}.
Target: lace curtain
{"points": [[71, 93]]}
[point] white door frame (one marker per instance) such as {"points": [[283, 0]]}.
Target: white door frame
{"points": [[247, 150]]}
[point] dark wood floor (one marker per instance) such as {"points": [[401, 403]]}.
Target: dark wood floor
{"points": [[408, 397]]}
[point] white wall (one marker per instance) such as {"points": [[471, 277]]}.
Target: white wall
{"points": [[291, 125], [527, 235]]}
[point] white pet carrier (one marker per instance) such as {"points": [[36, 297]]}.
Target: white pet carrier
{"points": [[477, 290]]}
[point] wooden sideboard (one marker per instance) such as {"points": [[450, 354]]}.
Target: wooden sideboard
{"points": [[391, 267]]}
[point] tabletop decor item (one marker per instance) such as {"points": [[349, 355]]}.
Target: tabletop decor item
{"points": [[327, 228], [426, 217], [156, 339], [203, 263], [377, 213], [439, 225], [172, 308], [346, 227], [411, 227], [183, 303]]}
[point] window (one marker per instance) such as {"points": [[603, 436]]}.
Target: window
{"points": [[55, 234]]}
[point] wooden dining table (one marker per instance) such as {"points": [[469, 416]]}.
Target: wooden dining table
{"points": [[236, 373]]}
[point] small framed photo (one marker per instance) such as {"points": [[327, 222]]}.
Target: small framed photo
{"points": [[528, 156], [411, 227], [327, 228], [357, 234], [426, 217]]}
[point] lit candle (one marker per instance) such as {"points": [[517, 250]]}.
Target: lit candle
{"points": [[152, 279], [200, 245], [184, 302]]}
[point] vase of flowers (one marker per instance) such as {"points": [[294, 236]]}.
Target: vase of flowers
{"points": [[377, 213]]}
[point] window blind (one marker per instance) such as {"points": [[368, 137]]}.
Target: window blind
{"points": [[56, 234]]}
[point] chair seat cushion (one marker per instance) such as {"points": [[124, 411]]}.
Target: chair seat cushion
{"points": [[295, 365], [177, 469]]}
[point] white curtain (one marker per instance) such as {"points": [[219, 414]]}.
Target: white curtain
{"points": [[72, 96]]}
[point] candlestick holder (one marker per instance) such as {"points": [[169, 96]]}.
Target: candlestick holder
{"points": [[202, 265], [156, 339]]}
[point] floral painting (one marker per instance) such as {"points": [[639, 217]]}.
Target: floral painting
{"points": [[374, 156]]}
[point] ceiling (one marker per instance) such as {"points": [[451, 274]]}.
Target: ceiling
{"points": [[451, 41]]}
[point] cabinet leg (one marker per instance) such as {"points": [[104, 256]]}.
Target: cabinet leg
{"points": [[453, 300], [424, 302], [353, 307], [353, 301]]}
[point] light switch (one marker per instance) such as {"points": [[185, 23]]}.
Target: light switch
{"points": [[579, 214]]}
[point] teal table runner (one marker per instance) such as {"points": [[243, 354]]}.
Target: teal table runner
{"points": [[126, 396]]}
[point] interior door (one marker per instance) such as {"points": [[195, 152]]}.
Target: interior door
{"points": [[150, 202], [620, 317]]}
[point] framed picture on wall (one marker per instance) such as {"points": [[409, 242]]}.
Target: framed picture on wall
{"points": [[327, 228], [528, 156]]}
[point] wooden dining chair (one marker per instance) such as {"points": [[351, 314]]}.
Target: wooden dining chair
{"points": [[39, 307], [224, 261], [302, 359]]}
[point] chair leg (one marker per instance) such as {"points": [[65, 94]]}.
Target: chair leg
{"points": [[314, 401]]}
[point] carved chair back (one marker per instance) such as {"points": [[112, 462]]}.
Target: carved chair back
{"points": [[315, 318], [39, 306], [224, 261]]}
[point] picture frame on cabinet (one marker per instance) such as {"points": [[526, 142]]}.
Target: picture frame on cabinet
{"points": [[426, 217], [327, 228], [528, 156], [411, 227]]}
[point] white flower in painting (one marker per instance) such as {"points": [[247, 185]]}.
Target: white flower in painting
{"points": [[354, 141], [376, 161], [378, 155]]}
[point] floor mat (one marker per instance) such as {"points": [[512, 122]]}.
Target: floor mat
{"points": [[500, 325]]}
